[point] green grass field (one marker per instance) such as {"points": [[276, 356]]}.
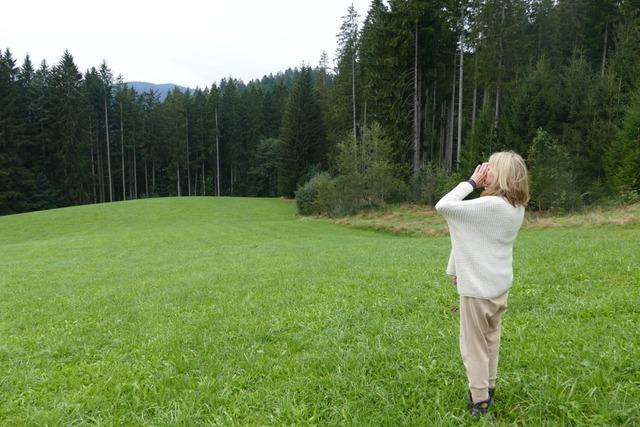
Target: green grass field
{"points": [[237, 312]]}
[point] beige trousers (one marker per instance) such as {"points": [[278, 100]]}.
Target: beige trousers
{"points": [[480, 321]]}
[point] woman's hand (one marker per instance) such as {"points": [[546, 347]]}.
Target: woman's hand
{"points": [[480, 174], [454, 281]]}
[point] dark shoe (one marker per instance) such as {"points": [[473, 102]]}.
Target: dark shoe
{"points": [[492, 391], [480, 408]]}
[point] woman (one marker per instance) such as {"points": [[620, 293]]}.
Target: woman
{"points": [[482, 234]]}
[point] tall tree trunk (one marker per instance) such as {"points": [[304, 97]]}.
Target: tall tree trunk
{"points": [[130, 165], [93, 164], [419, 117], [452, 107], [364, 120], [100, 168], [146, 179], [231, 180], [619, 90], [442, 154], [363, 131], [153, 176], [178, 173], [195, 182], [433, 122], [475, 93], [497, 113], [485, 96], [124, 194], [353, 93], [425, 126], [106, 128], [188, 168], [93, 174], [135, 173], [217, 159], [460, 80], [451, 117], [204, 188], [604, 50], [416, 106]]}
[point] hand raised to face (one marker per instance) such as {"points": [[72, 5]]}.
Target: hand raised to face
{"points": [[480, 174]]}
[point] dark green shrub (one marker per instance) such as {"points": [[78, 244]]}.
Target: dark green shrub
{"points": [[366, 175], [44, 195], [348, 196], [432, 182], [552, 181], [315, 196], [326, 194], [365, 179]]}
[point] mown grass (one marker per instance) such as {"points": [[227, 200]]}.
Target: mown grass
{"points": [[236, 312]]}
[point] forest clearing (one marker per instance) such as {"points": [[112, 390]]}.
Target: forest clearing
{"points": [[236, 311]]}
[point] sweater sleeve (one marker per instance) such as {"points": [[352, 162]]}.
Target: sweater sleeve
{"points": [[451, 266], [449, 201]]}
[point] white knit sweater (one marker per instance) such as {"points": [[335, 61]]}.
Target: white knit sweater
{"points": [[482, 234]]}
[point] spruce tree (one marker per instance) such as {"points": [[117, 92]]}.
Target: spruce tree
{"points": [[93, 93], [107, 84], [230, 134], [71, 149], [343, 112], [15, 178], [623, 157], [303, 137]]}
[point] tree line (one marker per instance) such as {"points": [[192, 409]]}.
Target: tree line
{"points": [[441, 84], [70, 138], [452, 81]]}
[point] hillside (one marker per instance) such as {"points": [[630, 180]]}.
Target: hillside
{"points": [[234, 311], [162, 89]]}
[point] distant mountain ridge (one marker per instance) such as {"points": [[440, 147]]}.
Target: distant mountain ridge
{"points": [[162, 89]]}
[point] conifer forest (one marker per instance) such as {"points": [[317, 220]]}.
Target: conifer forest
{"points": [[416, 94]]}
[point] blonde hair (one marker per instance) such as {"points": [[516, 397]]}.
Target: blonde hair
{"points": [[510, 178]]}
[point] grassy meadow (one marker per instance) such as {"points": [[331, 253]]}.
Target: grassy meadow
{"points": [[234, 311]]}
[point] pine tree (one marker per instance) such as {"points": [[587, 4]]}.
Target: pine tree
{"points": [[107, 83], [552, 177], [93, 93], [199, 139], [535, 103], [625, 59], [150, 147], [252, 117], [304, 144], [67, 124], [264, 167], [344, 98], [28, 116], [274, 105], [623, 157], [15, 178], [213, 102], [566, 66], [120, 99], [174, 142], [230, 135]]}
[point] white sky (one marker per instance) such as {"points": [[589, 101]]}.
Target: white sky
{"points": [[186, 42]]}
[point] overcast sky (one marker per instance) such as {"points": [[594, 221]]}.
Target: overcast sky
{"points": [[186, 42]]}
